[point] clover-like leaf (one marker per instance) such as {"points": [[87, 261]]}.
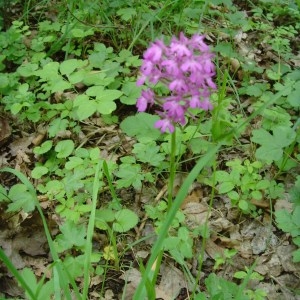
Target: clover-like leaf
{"points": [[106, 106], [125, 220], [69, 65], [294, 98], [64, 148], [288, 222], [71, 235], [84, 107], [148, 153], [131, 93], [129, 174], [141, 126], [272, 145], [21, 199], [56, 126], [104, 216]]}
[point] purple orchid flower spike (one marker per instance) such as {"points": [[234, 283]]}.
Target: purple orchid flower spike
{"points": [[185, 67]]}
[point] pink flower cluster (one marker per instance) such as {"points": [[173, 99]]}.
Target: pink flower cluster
{"points": [[186, 69]]}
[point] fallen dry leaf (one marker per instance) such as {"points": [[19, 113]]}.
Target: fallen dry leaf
{"points": [[5, 130], [212, 249], [172, 281], [195, 214], [283, 204], [264, 238]]}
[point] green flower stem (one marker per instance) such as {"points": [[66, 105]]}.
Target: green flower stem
{"points": [[172, 170], [170, 198]]}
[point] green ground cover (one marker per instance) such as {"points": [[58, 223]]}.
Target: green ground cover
{"points": [[97, 203]]}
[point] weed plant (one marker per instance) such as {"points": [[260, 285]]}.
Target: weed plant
{"points": [[67, 65]]}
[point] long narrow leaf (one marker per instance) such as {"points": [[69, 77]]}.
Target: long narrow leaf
{"points": [[59, 276], [16, 274], [90, 232], [157, 247]]}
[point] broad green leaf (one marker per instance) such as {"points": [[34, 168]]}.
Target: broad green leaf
{"points": [[94, 153], [129, 175], [74, 265], [73, 162], [296, 256], [273, 75], [59, 85], [68, 66], [284, 222], [148, 153], [234, 196], [141, 125], [199, 145], [296, 216], [171, 242], [240, 274], [77, 76], [221, 176], [108, 95], [27, 69], [226, 187], [4, 81], [131, 93], [80, 33], [94, 91], [21, 199], [225, 49], [49, 71], [71, 235], [257, 195], [272, 145], [263, 184], [219, 288], [105, 106], [64, 148], [243, 205], [73, 180], [16, 107], [57, 125], [125, 220], [255, 90], [294, 97], [55, 188], [104, 216], [82, 152], [96, 78], [44, 291], [97, 58], [86, 109], [80, 100], [45, 147], [127, 14], [39, 171]]}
